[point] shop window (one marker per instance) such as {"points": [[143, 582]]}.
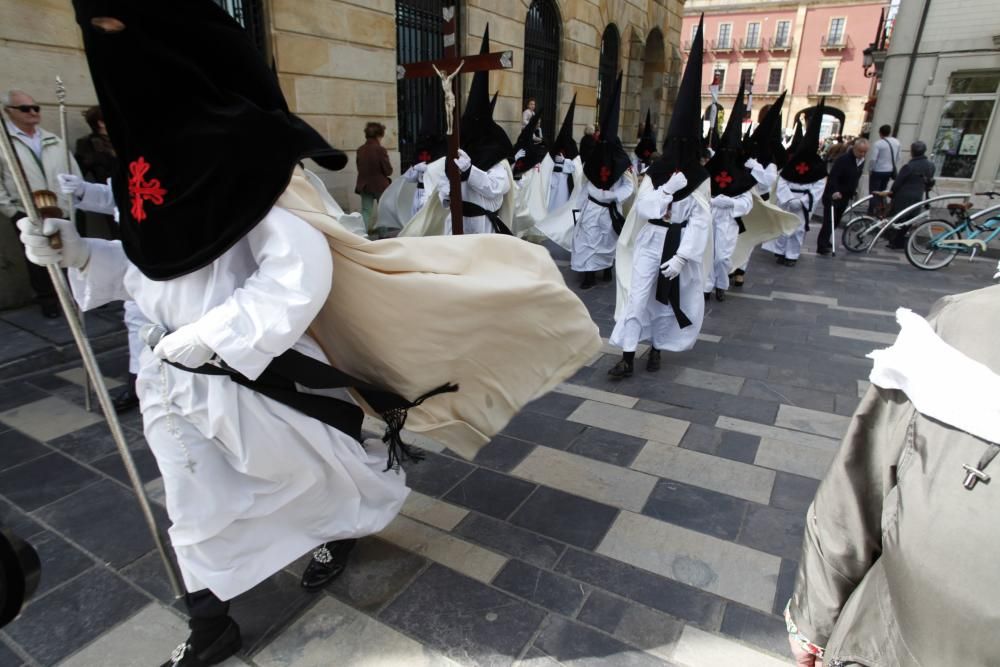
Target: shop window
{"points": [[964, 123]]}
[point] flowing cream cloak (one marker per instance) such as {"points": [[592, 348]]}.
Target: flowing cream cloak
{"points": [[486, 311], [765, 222]]}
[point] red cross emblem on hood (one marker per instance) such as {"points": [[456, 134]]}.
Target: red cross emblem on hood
{"points": [[140, 190], [802, 168], [424, 156], [723, 179], [605, 174]]}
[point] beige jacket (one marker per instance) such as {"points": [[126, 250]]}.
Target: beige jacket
{"points": [[41, 173], [901, 563]]}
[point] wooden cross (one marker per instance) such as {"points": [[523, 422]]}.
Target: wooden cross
{"points": [[447, 65]]}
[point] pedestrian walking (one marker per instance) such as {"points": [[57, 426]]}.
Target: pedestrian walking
{"points": [[374, 170]]}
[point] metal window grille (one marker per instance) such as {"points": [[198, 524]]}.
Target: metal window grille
{"points": [[774, 81], [781, 34], [250, 15], [419, 36], [607, 69], [541, 61]]}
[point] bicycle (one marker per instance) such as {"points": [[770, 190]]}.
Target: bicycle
{"points": [[860, 231], [943, 240]]}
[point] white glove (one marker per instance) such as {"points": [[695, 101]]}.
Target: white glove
{"points": [[675, 184], [420, 167], [753, 165], [71, 184], [672, 267], [568, 167], [184, 347], [559, 159], [722, 201], [463, 161], [74, 252], [520, 154]]}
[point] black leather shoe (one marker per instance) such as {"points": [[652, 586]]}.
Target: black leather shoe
{"points": [[328, 562], [720, 294], [737, 278], [653, 360], [790, 262], [623, 369], [50, 310], [126, 398], [780, 259], [588, 280], [824, 251], [207, 648]]}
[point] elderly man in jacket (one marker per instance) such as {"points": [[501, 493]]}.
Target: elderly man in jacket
{"points": [[898, 564], [841, 185], [44, 157]]}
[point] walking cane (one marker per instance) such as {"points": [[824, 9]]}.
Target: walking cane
{"points": [[87, 354], [61, 96], [833, 230]]}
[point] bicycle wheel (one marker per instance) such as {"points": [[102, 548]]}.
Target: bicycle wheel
{"points": [[924, 249], [859, 232]]}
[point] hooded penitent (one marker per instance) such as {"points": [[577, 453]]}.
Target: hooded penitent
{"points": [[647, 142], [564, 143], [486, 142], [764, 144], [804, 164], [431, 141], [729, 176], [534, 151], [205, 141], [606, 163], [796, 140], [682, 146]]}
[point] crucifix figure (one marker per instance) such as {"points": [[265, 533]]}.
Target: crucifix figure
{"points": [[449, 94], [453, 63]]}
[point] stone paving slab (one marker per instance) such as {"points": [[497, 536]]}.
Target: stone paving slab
{"points": [[656, 520]]}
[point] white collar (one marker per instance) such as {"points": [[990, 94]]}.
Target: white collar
{"points": [[940, 381]]}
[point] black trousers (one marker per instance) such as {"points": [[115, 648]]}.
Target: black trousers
{"points": [[823, 241], [878, 181], [203, 605], [38, 277]]}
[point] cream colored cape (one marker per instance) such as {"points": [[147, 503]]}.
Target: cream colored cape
{"points": [[395, 206], [625, 250], [556, 225], [431, 218], [488, 312], [763, 223]]}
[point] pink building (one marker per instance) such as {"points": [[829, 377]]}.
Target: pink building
{"points": [[812, 48]]}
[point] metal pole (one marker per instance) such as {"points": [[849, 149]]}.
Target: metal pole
{"points": [[61, 96], [89, 360]]}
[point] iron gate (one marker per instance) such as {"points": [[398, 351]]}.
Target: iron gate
{"points": [[607, 70], [419, 26], [250, 15], [541, 62]]}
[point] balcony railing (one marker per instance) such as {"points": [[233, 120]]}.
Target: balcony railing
{"points": [[722, 44], [731, 90], [773, 44], [750, 44], [827, 91], [835, 42]]}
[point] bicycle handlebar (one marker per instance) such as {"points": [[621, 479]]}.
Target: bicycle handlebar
{"points": [[990, 194]]}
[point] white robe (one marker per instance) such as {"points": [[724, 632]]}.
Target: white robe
{"points": [[416, 176], [726, 232], [484, 188], [559, 183], [594, 239], [791, 199], [638, 315], [251, 485]]}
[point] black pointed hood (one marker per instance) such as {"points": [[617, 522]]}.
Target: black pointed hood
{"points": [[564, 142], [797, 137], [647, 142], [486, 142], [762, 144], [729, 176], [682, 147], [804, 164], [493, 102], [607, 161], [534, 151], [195, 115], [432, 143]]}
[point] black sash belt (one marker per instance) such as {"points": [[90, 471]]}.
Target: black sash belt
{"points": [[420, 185], [668, 291], [617, 219], [766, 196], [470, 210], [569, 178], [806, 211], [278, 383], [739, 223]]}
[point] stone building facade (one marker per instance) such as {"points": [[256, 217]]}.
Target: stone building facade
{"points": [[336, 62]]}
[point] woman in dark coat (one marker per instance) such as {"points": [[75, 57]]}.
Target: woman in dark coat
{"points": [[96, 157], [911, 186]]}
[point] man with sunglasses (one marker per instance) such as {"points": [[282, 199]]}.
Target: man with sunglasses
{"points": [[44, 156]]}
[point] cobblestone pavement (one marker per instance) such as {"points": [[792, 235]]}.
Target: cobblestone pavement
{"points": [[655, 520]]}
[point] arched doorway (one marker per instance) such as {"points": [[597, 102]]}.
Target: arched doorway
{"points": [[607, 69], [654, 70], [419, 25], [542, 34]]}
